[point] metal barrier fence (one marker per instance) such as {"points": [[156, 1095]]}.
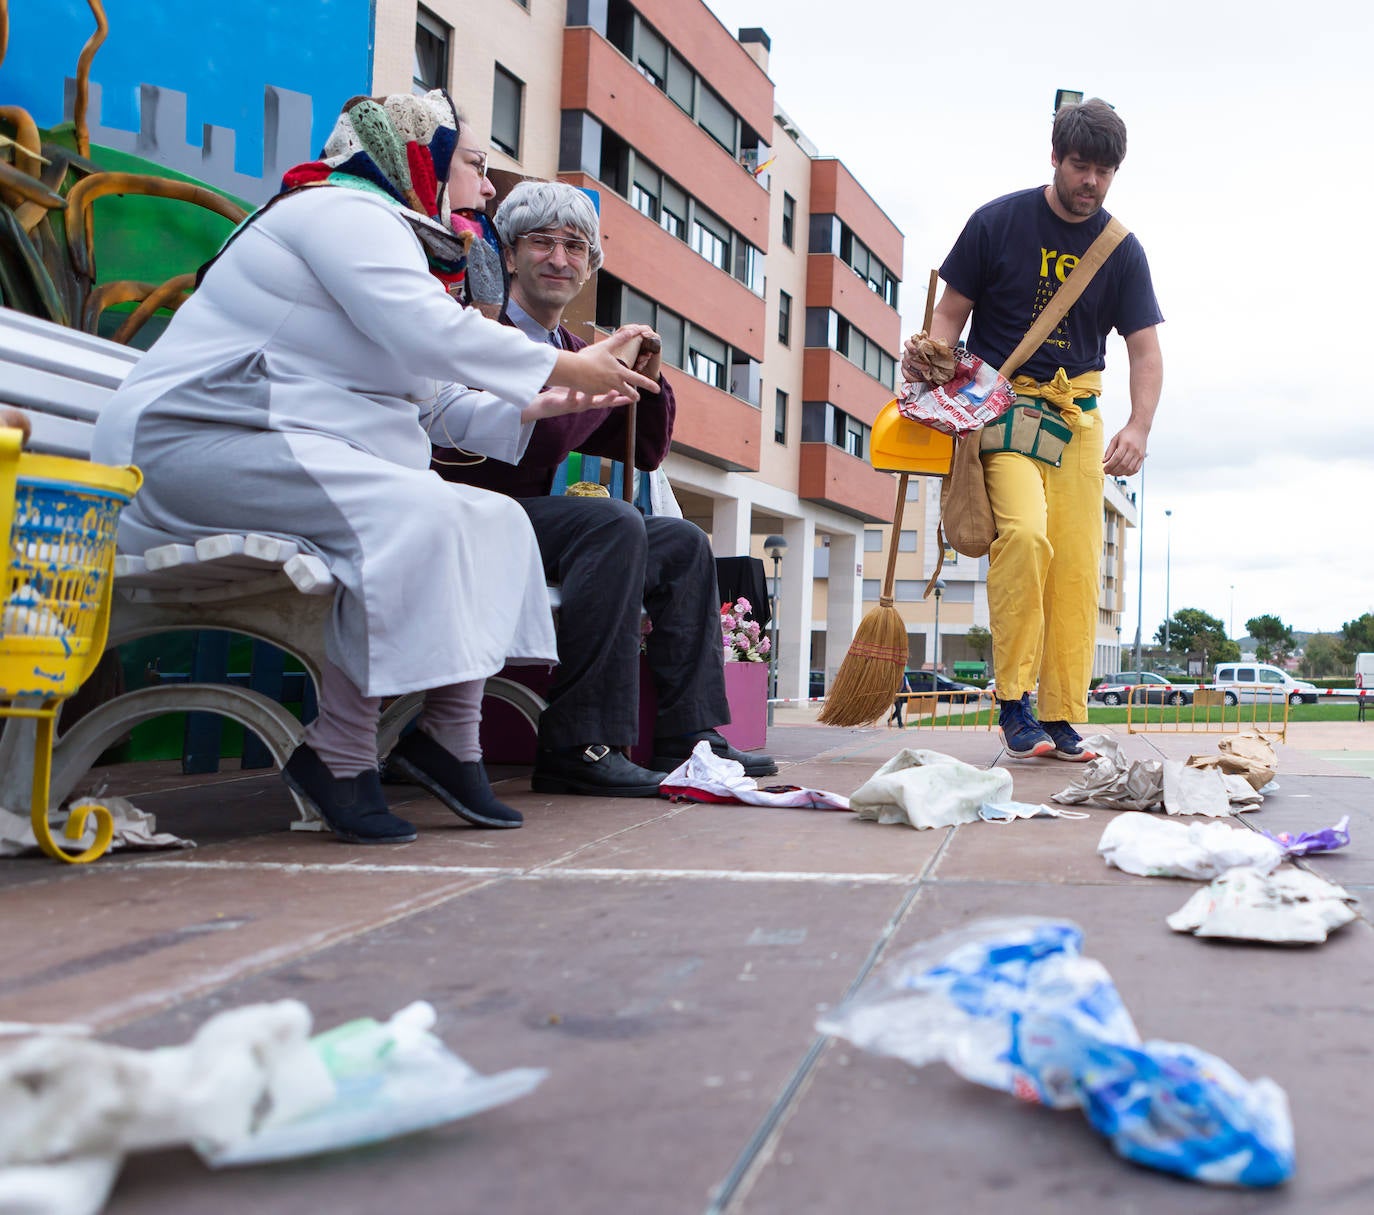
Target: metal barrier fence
{"points": [[971, 710], [1209, 711]]}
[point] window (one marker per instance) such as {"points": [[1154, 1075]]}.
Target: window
{"points": [[646, 190], [651, 55], [906, 590], [873, 540], [670, 329], [507, 104], [711, 238], [716, 118], [789, 219], [673, 211], [431, 52], [749, 265], [906, 542], [779, 416], [871, 586], [784, 318], [706, 358], [913, 489], [681, 83]]}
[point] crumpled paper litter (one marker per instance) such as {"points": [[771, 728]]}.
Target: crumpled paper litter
{"points": [[929, 789], [1149, 846], [1289, 906]]}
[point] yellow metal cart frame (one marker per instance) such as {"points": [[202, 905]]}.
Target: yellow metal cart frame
{"points": [[58, 519]]}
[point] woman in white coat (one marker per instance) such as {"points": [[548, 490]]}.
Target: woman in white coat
{"points": [[295, 395]]}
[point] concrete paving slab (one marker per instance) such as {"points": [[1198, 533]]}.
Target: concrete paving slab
{"points": [[111, 943], [670, 1016], [868, 1130]]}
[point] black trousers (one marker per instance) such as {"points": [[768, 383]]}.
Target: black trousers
{"points": [[610, 561]]}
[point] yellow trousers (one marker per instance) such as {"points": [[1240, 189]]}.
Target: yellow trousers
{"points": [[1044, 577]]}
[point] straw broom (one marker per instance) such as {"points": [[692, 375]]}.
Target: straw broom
{"points": [[872, 670]]}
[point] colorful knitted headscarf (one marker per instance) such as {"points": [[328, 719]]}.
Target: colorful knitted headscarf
{"points": [[399, 148]]}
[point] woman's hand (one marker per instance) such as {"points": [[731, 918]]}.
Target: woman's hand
{"points": [[640, 347], [599, 369], [554, 401], [15, 419]]}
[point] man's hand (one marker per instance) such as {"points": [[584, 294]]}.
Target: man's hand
{"points": [[554, 401], [912, 369], [598, 369], [1126, 452], [15, 419]]}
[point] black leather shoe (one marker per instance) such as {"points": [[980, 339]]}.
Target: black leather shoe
{"points": [[460, 784], [670, 753], [354, 808], [596, 770]]}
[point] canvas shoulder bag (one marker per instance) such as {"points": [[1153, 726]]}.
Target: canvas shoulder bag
{"points": [[966, 521]]}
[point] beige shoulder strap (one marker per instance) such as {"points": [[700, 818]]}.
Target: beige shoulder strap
{"points": [[1069, 291]]}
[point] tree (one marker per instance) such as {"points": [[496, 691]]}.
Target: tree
{"points": [[1321, 656], [1359, 637], [1275, 638], [1192, 630], [979, 641]]}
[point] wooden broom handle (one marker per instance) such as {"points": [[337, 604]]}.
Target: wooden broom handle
{"points": [[627, 488], [890, 578]]}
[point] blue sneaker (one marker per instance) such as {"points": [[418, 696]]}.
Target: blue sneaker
{"points": [[1067, 742], [1022, 735]]}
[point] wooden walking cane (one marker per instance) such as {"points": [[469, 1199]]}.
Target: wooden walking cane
{"points": [[872, 670]]}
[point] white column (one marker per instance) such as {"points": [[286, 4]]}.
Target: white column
{"points": [[730, 527], [794, 618], [844, 600]]}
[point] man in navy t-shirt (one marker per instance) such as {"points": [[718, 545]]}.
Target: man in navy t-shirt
{"points": [[1043, 573]]}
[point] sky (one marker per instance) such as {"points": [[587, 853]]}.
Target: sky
{"points": [[1247, 179]]}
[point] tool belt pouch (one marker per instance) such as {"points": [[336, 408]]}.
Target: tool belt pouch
{"points": [[1029, 429]]}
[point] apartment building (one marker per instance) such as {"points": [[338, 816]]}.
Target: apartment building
{"points": [[770, 272]]}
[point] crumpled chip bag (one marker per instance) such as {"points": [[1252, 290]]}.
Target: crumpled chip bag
{"points": [[963, 393]]}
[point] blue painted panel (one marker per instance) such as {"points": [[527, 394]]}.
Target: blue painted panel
{"points": [[221, 56]]}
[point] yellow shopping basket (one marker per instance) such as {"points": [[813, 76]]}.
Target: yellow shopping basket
{"points": [[58, 519]]}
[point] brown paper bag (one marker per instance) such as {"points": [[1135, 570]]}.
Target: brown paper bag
{"points": [[965, 512]]}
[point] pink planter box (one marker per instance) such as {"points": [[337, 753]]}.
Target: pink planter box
{"points": [[746, 688]]}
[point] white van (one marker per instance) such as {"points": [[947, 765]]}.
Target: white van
{"points": [[1364, 670], [1258, 681]]}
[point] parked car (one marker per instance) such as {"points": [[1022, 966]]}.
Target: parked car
{"points": [[990, 691], [946, 689], [816, 684], [1253, 682], [1364, 670], [1140, 688]]}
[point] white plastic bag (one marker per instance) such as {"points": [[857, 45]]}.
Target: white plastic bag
{"points": [[1149, 846], [929, 789]]}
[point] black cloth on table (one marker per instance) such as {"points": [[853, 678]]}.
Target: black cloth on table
{"points": [[744, 578]]}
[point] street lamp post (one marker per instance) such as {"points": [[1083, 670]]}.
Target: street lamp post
{"points": [[774, 546], [1231, 631], [939, 590], [1168, 571], [1140, 572]]}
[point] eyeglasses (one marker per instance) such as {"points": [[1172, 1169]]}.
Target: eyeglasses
{"points": [[481, 163], [544, 243]]}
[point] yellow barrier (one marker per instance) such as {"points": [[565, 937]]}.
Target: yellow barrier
{"points": [[1211, 711], [58, 520]]}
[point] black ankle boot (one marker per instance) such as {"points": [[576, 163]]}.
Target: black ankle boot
{"points": [[460, 784], [354, 807]]}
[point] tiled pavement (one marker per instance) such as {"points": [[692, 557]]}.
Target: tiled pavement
{"points": [[667, 964]]}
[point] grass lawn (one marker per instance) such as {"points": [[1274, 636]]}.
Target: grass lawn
{"points": [[1101, 715]]}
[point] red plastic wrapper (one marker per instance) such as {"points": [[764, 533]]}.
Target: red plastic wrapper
{"points": [[975, 396]]}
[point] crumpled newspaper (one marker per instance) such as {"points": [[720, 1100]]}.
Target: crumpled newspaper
{"points": [[1289, 906], [935, 358], [133, 828], [1149, 846], [705, 776], [929, 789], [1113, 781]]}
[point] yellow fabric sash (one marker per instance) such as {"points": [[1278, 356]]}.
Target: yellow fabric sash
{"points": [[1062, 392]]}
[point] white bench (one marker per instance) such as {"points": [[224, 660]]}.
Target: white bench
{"points": [[254, 585]]}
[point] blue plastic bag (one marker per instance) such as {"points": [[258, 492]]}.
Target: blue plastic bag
{"points": [[1013, 1005]]}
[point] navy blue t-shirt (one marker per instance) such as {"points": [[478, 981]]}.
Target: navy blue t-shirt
{"points": [[1010, 259]]}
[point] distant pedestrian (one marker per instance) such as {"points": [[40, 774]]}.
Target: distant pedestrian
{"points": [[900, 703]]}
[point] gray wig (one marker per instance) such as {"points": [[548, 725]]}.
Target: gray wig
{"points": [[541, 205]]}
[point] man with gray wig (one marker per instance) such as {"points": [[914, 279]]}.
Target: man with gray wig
{"points": [[609, 560]]}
